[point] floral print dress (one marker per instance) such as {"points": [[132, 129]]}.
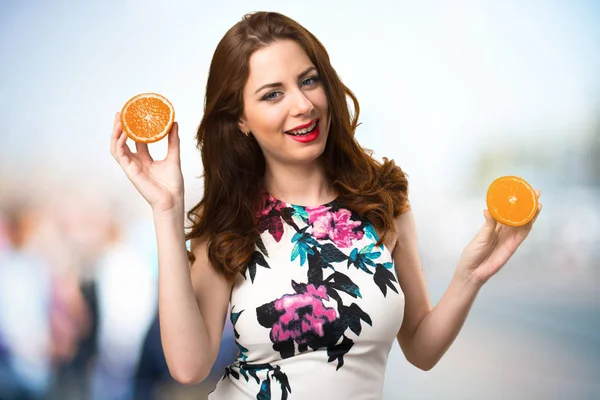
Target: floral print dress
{"points": [[317, 310]]}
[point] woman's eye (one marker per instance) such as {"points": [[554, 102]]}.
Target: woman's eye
{"points": [[271, 96], [310, 81], [274, 95]]}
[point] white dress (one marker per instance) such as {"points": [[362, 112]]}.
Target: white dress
{"points": [[317, 310]]}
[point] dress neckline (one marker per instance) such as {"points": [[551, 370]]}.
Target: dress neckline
{"points": [[276, 200]]}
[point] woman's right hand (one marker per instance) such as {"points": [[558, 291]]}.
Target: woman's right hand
{"points": [[159, 182]]}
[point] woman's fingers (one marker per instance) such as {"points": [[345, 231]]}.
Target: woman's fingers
{"points": [[142, 150], [538, 193], [173, 149], [116, 133], [123, 153], [537, 214]]}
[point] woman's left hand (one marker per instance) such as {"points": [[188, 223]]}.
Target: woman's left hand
{"points": [[492, 247]]}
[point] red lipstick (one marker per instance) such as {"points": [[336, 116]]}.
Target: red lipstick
{"points": [[303, 126], [309, 137]]}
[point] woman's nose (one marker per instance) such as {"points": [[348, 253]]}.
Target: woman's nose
{"points": [[302, 105]]}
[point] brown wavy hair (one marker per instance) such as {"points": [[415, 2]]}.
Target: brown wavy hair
{"points": [[234, 165]]}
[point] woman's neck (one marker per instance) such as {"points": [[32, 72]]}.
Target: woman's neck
{"points": [[299, 184]]}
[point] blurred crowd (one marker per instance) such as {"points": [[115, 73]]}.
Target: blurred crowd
{"points": [[78, 304]]}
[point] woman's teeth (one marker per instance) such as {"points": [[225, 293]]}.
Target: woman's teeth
{"points": [[305, 131]]}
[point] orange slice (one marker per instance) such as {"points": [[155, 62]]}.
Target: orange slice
{"points": [[147, 117], [512, 201]]}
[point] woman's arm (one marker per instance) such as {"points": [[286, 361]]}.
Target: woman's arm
{"points": [[192, 308], [427, 333]]}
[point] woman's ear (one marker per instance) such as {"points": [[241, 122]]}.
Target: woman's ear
{"points": [[243, 127]]}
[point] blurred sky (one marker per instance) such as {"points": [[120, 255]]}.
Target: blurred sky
{"points": [[431, 76]]}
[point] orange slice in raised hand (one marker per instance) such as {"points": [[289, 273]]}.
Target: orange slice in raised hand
{"points": [[147, 117], [512, 201]]}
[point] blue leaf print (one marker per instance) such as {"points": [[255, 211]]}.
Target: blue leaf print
{"points": [[244, 374], [368, 252], [361, 264], [363, 259], [300, 213], [265, 390], [235, 316], [302, 246], [367, 249], [298, 235], [242, 350], [358, 260], [368, 261], [252, 370], [295, 251], [302, 236], [303, 255], [301, 249], [353, 255], [371, 233]]}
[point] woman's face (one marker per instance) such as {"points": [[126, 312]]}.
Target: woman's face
{"points": [[285, 105]]}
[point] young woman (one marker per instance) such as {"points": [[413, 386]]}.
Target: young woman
{"points": [[309, 241]]}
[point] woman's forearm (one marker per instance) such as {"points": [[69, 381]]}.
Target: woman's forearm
{"points": [[184, 334], [440, 327]]}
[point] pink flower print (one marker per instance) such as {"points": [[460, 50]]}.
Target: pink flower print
{"points": [[337, 226], [317, 213], [304, 316]]}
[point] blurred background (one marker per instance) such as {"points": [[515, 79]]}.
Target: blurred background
{"points": [[457, 92]]}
